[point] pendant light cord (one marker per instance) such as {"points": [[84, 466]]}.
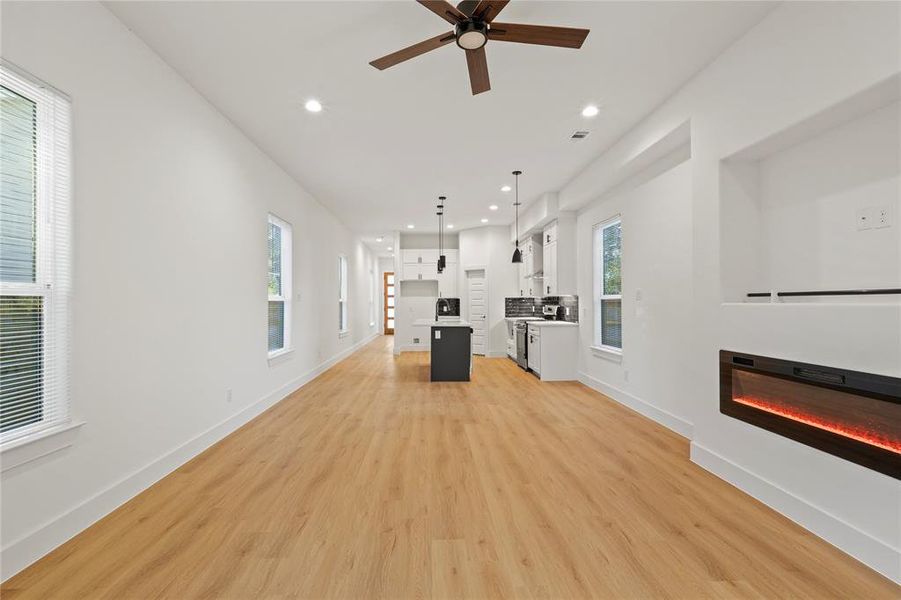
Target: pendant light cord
{"points": [[517, 174]]}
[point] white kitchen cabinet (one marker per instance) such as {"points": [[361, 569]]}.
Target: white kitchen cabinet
{"points": [[550, 233], [425, 255], [556, 348], [422, 264], [550, 270], [421, 271], [559, 249], [530, 271], [533, 337]]}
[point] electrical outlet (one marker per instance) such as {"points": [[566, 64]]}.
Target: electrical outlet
{"points": [[874, 217], [882, 217], [228, 395], [415, 340]]}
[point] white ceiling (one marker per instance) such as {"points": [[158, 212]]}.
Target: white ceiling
{"points": [[389, 142]]}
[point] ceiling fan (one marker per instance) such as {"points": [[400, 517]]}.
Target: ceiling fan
{"points": [[474, 25]]}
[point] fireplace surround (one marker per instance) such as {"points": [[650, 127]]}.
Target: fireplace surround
{"points": [[853, 415]]}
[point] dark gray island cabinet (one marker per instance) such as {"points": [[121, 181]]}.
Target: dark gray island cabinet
{"points": [[451, 350]]}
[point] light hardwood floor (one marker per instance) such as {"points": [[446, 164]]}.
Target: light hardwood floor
{"points": [[371, 482]]}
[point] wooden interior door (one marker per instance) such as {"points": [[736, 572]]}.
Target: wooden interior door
{"points": [[388, 304]]}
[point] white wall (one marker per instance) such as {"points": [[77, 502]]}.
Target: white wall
{"points": [[490, 248], [802, 58], [169, 310], [656, 226], [809, 198]]}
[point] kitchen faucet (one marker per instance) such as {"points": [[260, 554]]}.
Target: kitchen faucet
{"points": [[439, 303]]}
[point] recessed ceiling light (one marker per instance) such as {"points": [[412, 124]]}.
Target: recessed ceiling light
{"points": [[379, 239], [411, 226], [484, 220], [390, 249], [313, 105], [590, 111], [492, 207], [450, 226], [506, 188]]}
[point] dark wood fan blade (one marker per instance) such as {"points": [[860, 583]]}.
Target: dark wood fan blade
{"points": [[467, 7], [565, 37], [488, 10], [412, 51], [478, 70], [445, 10]]}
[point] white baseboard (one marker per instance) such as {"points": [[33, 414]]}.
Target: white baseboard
{"points": [[872, 552], [22, 552], [667, 419]]}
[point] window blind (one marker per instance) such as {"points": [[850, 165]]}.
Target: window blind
{"points": [[35, 250]]}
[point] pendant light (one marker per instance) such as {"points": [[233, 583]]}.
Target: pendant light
{"points": [[440, 213], [517, 254]]}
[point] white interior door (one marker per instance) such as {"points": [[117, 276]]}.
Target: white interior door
{"points": [[477, 299]]}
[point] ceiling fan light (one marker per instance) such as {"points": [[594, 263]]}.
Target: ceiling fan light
{"points": [[471, 35]]}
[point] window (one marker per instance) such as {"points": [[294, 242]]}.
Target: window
{"points": [[342, 294], [35, 284], [608, 299], [280, 253], [371, 298]]}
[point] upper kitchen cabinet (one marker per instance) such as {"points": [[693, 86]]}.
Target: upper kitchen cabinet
{"points": [[550, 269], [416, 256], [422, 265], [559, 254], [531, 270]]}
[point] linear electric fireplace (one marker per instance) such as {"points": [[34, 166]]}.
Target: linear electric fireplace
{"points": [[850, 414]]}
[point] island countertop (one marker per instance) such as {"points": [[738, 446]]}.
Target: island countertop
{"points": [[433, 323]]}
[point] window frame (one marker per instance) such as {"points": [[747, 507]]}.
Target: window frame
{"points": [[599, 296], [372, 297], [286, 277], [52, 256], [343, 312]]}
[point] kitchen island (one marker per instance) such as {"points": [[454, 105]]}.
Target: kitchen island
{"points": [[451, 349]]}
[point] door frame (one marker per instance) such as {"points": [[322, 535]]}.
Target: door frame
{"points": [[385, 329], [484, 268]]}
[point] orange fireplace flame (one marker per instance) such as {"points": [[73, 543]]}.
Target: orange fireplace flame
{"points": [[849, 431]]}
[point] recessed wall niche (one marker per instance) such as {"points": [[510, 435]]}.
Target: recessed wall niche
{"points": [[803, 210]]}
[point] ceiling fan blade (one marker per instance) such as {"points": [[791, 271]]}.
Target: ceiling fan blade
{"points": [[488, 10], [467, 7], [445, 10], [478, 70], [412, 51], [565, 37]]}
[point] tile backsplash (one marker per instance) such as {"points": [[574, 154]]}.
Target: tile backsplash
{"points": [[531, 307]]}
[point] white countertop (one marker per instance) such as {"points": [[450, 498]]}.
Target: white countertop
{"points": [[434, 323], [552, 324], [523, 319]]}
